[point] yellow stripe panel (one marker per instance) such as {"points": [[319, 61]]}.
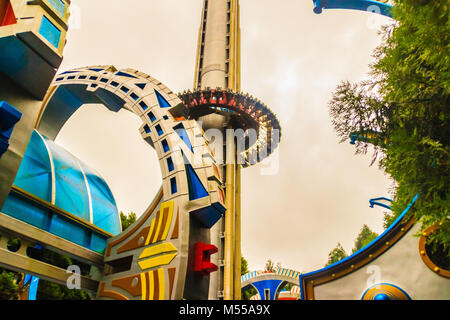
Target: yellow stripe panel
{"points": [[161, 284], [152, 226], [158, 249], [151, 285], [157, 261], [169, 220], [158, 224], [144, 286]]}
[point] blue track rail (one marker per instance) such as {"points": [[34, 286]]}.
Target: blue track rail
{"points": [[362, 5]]}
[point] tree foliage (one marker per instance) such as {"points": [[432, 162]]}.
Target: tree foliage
{"points": [[404, 110], [364, 237], [9, 285], [52, 291], [250, 291], [127, 219], [244, 266], [271, 266], [336, 255]]}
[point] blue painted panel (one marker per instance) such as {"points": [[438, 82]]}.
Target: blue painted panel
{"points": [[50, 32], [159, 130], [123, 74], [69, 230], [165, 146], [134, 96], [170, 165], [362, 5], [162, 102], [59, 6], [23, 210], [33, 214], [272, 285], [32, 291], [110, 99], [143, 105], [104, 209], [173, 185], [196, 188], [71, 191], [181, 131], [9, 116], [207, 216], [35, 173], [152, 116], [98, 243]]}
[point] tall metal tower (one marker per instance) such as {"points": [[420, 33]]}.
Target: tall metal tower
{"points": [[218, 104], [218, 65]]}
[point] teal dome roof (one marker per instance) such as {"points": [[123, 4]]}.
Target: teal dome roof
{"points": [[54, 175]]}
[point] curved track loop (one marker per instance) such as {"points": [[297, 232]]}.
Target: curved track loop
{"points": [[150, 259]]}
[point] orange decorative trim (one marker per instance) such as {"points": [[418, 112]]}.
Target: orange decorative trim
{"points": [[155, 285], [110, 294], [171, 273], [134, 243], [424, 255], [130, 231], [357, 262], [175, 227], [127, 285], [216, 171]]}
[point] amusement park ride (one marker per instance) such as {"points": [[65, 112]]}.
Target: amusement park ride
{"points": [[186, 245]]}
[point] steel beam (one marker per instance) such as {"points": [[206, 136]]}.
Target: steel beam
{"points": [[24, 230], [20, 263]]}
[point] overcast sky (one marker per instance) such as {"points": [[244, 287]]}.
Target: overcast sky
{"points": [[292, 60]]}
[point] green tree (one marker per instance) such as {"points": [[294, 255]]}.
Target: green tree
{"points": [[127, 219], [336, 254], [271, 266], [52, 291], [364, 237], [244, 266], [9, 285], [250, 290], [403, 111]]}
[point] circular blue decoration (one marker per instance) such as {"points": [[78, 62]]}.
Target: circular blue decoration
{"points": [[385, 291], [381, 296]]}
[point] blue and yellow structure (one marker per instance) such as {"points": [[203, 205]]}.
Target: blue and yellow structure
{"points": [[186, 245]]}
